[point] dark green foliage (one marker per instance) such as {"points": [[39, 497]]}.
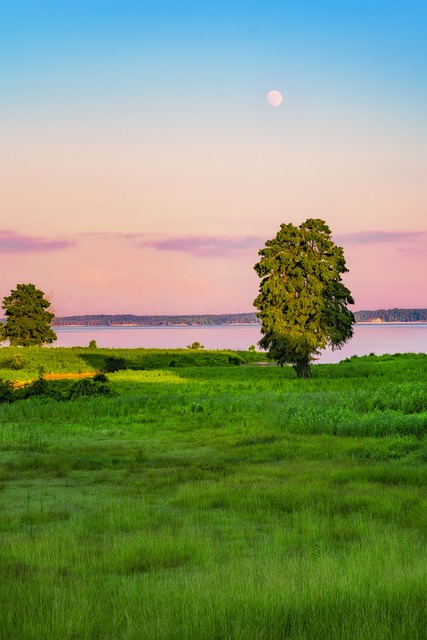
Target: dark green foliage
{"points": [[39, 387], [89, 387], [56, 389], [302, 302], [114, 364], [92, 344], [6, 391], [28, 317], [236, 360], [100, 377]]}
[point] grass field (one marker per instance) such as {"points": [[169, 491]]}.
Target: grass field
{"points": [[205, 500]]}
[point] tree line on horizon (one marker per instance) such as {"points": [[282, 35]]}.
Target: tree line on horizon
{"points": [[126, 319], [392, 315], [120, 319]]}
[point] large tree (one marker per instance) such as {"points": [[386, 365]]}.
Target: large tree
{"points": [[302, 302], [28, 317]]}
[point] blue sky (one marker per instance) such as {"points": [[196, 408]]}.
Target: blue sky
{"points": [[373, 45]]}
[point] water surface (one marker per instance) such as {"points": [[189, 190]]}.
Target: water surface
{"points": [[368, 338]]}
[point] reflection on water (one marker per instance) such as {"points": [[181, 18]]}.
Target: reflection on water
{"points": [[368, 338]]}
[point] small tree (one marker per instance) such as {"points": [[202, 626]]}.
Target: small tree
{"points": [[28, 317], [195, 346], [302, 302]]}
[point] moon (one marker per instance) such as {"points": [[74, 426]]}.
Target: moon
{"points": [[274, 98]]}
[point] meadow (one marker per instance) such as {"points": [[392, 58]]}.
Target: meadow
{"points": [[209, 497]]}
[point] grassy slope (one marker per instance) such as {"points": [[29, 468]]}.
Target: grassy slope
{"points": [[81, 359], [219, 502]]}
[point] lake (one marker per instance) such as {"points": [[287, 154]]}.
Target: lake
{"points": [[368, 338]]}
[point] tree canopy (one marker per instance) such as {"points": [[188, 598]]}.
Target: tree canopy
{"points": [[302, 302], [28, 317]]}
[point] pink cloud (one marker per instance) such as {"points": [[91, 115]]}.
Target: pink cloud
{"points": [[407, 242], [202, 246], [205, 246], [12, 242], [381, 237]]}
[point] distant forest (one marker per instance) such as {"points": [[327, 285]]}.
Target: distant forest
{"points": [[122, 320], [392, 315], [156, 321]]}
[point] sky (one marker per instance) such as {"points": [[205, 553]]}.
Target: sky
{"points": [[142, 168]]}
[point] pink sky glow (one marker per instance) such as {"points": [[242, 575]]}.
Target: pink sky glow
{"points": [[148, 274]]}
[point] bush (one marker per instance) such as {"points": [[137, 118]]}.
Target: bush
{"points": [[113, 364], [100, 377], [195, 345], [15, 362], [56, 389], [6, 391], [88, 387], [39, 387]]}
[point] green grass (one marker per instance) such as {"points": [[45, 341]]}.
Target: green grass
{"points": [[217, 502], [17, 363]]}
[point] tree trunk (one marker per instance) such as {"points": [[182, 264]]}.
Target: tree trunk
{"points": [[302, 368]]}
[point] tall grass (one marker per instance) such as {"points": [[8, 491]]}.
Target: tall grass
{"points": [[219, 502]]}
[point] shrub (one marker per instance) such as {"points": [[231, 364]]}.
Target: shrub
{"points": [[41, 388], [195, 345], [15, 362], [56, 389], [88, 387], [37, 388], [100, 377], [113, 364], [6, 391]]}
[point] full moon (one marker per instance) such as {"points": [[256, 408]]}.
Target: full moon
{"points": [[274, 98]]}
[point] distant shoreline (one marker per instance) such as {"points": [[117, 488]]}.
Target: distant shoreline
{"points": [[377, 316], [159, 326], [223, 324], [370, 317], [371, 322]]}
